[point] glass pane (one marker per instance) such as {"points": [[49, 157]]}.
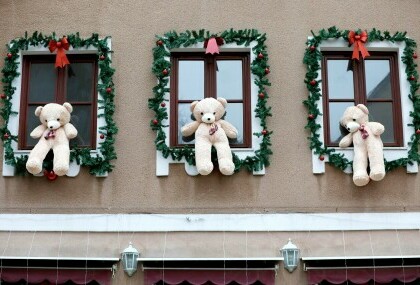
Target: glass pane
{"points": [[184, 117], [32, 122], [336, 111], [42, 82], [340, 79], [229, 79], [235, 116], [378, 79], [81, 118], [382, 113], [190, 80], [80, 82]]}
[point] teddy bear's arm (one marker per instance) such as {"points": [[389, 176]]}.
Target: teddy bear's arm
{"points": [[376, 128], [38, 131], [190, 128], [346, 141], [230, 130], [70, 130]]}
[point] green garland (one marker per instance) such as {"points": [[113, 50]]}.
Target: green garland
{"points": [[162, 67], [98, 165], [312, 60]]}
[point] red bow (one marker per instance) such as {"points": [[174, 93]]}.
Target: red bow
{"points": [[62, 45], [212, 45], [358, 41], [365, 133]]}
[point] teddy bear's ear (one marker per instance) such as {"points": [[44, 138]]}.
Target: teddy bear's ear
{"points": [[68, 107], [363, 108], [38, 111], [223, 101], [193, 105]]}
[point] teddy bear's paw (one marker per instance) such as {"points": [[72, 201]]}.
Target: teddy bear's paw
{"points": [[361, 179], [205, 169], [61, 170], [34, 166], [377, 174], [226, 166]]}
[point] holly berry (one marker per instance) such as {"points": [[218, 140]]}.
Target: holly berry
{"points": [[155, 122], [9, 55], [311, 116], [418, 132], [414, 55], [312, 82], [109, 90], [50, 175], [267, 70], [102, 57], [412, 77], [321, 158], [3, 96], [6, 136], [260, 56], [102, 136], [165, 72], [159, 43], [163, 104], [261, 95], [312, 48], [264, 132]]}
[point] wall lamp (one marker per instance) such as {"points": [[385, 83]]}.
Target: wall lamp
{"points": [[290, 253], [129, 259]]}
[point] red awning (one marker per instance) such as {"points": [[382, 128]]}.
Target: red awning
{"points": [[54, 276], [218, 277], [362, 276]]}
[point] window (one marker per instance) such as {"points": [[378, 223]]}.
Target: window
{"points": [[196, 76], [372, 82], [42, 83]]}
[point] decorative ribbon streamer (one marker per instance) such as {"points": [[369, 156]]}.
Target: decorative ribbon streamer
{"points": [[365, 134], [49, 134], [212, 45], [213, 129], [358, 41], [61, 46]]}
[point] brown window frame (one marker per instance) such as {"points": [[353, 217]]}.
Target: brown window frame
{"points": [[60, 93], [210, 89], [360, 96]]}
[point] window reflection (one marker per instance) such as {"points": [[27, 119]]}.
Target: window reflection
{"points": [[234, 115], [378, 79], [229, 79], [191, 80], [340, 79], [336, 111], [80, 82], [381, 112], [184, 117], [42, 81]]}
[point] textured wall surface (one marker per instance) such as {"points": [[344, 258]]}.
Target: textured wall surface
{"points": [[132, 187]]}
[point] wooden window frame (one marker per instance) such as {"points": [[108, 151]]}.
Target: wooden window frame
{"points": [[210, 87], [360, 90], [60, 93]]}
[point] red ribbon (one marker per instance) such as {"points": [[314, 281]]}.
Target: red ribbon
{"points": [[212, 45], [358, 41], [365, 133], [61, 46]]}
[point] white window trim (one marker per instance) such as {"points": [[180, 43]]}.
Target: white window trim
{"points": [[162, 164], [13, 124], [390, 153]]}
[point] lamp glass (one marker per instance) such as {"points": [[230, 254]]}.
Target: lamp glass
{"points": [[290, 254], [129, 259]]}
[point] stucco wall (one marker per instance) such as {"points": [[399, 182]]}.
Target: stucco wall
{"points": [[132, 187]]}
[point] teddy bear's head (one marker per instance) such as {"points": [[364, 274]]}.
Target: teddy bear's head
{"points": [[54, 115], [208, 110], [354, 117]]}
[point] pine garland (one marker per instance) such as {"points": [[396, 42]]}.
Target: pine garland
{"points": [[98, 165], [312, 60], [162, 68]]}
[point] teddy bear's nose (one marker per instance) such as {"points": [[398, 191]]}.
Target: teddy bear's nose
{"points": [[208, 119], [348, 129], [51, 127]]}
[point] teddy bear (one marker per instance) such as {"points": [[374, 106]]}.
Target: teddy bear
{"points": [[210, 130], [367, 143], [53, 133]]}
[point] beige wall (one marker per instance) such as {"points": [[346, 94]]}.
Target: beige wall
{"points": [[132, 187]]}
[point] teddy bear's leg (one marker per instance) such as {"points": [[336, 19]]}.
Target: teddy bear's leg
{"points": [[360, 175], [37, 156], [224, 156], [376, 163], [203, 156], [61, 159]]}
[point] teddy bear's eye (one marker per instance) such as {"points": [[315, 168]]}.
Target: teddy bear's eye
{"points": [[202, 113], [46, 121], [214, 113], [58, 119], [354, 120]]}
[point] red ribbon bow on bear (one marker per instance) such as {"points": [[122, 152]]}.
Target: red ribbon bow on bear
{"points": [[365, 133], [212, 44], [61, 46], [358, 41], [49, 134]]}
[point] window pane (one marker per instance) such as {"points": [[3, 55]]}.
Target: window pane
{"points": [[184, 117], [340, 79], [32, 122], [42, 82], [382, 113], [81, 118], [229, 79], [190, 80], [378, 79], [80, 78], [336, 111], [235, 116]]}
